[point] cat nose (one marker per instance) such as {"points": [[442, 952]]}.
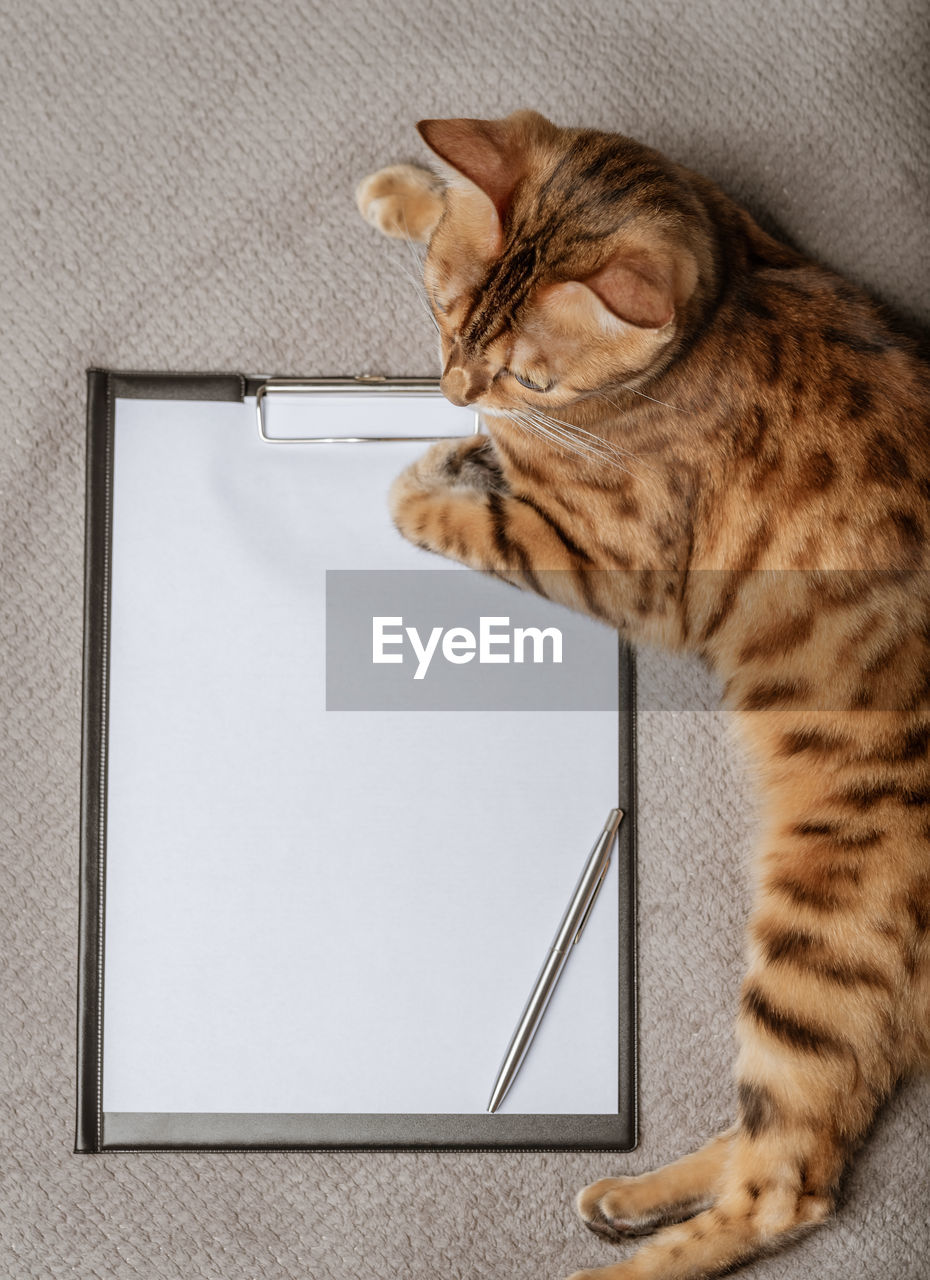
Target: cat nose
{"points": [[454, 386], [461, 386]]}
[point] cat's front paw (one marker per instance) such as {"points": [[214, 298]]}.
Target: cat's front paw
{"points": [[471, 464], [436, 501], [452, 464], [403, 201]]}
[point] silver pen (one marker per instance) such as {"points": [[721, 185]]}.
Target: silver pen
{"points": [[569, 931]]}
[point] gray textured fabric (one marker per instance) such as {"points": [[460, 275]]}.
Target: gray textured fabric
{"points": [[177, 193]]}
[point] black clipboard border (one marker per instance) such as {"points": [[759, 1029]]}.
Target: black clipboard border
{"points": [[331, 1133]]}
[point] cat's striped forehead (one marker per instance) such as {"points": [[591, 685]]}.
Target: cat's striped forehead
{"points": [[508, 285], [565, 213]]}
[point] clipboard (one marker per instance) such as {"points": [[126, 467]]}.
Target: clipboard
{"points": [[310, 915]]}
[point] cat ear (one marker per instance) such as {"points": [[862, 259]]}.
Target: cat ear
{"points": [[640, 291], [642, 286], [489, 153]]}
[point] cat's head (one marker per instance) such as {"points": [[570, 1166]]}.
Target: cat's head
{"points": [[565, 265]]}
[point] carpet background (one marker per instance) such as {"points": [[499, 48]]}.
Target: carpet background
{"points": [[176, 192]]}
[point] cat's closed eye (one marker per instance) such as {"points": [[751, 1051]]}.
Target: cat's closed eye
{"points": [[529, 384]]}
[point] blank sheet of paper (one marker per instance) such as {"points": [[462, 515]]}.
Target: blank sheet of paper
{"points": [[311, 911]]}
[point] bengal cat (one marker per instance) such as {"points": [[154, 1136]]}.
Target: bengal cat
{"points": [[707, 441]]}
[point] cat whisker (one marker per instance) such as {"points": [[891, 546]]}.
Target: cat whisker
{"points": [[556, 431], [526, 425], [579, 447], [421, 297], [626, 387], [609, 445], [563, 440], [595, 447], [575, 429], [416, 277]]}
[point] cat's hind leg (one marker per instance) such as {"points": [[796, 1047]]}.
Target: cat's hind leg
{"points": [[403, 201], [772, 1188], [633, 1206], [808, 1091]]}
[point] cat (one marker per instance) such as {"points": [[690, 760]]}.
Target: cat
{"points": [[705, 440]]}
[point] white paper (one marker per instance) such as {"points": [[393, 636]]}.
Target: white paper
{"points": [[311, 911]]}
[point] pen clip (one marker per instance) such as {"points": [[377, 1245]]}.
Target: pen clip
{"points": [[597, 889]]}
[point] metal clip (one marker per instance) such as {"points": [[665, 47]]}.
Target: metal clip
{"points": [[363, 384]]}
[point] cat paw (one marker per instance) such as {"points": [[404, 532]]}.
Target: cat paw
{"points": [[453, 464], [403, 201], [472, 464], [435, 501], [616, 1209], [599, 1273]]}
